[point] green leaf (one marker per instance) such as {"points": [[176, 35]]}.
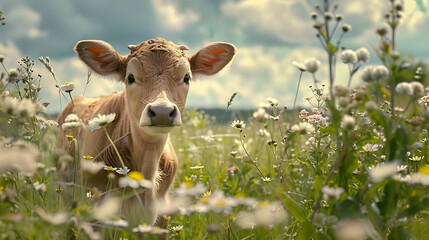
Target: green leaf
{"points": [[398, 233], [306, 231], [331, 48], [294, 208]]}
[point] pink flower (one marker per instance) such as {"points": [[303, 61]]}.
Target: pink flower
{"points": [[232, 169]]}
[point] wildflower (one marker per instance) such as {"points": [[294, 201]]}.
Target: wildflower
{"points": [[232, 169], [239, 125], [353, 229], [71, 121], [263, 132], [332, 192], [1, 58], [303, 127], [303, 114], [371, 106], [367, 74], [349, 56], [116, 221], [416, 158], [106, 209], [362, 55], [301, 67], [380, 72], [401, 168], [52, 218], [187, 189], [370, 147], [100, 121], [348, 122], [266, 179], [318, 120], [144, 228], [110, 169], [87, 228], [67, 87], [233, 153], [346, 28], [312, 65], [260, 114], [418, 88], [176, 229], [265, 214], [382, 171], [404, 88], [339, 17], [272, 101], [328, 15], [89, 194], [39, 186], [313, 15], [13, 72], [196, 167], [319, 219], [91, 166], [135, 179], [20, 156], [123, 171]]}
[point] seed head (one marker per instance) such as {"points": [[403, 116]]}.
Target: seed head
{"points": [[312, 65], [349, 56], [362, 55]]}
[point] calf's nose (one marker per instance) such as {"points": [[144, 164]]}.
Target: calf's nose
{"points": [[161, 114]]}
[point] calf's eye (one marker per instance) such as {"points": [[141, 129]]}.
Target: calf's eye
{"points": [[131, 79], [187, 78]]}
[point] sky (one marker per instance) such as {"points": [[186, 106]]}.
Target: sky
{"points": [[268, 34]]}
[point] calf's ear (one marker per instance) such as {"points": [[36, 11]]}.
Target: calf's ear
{"points": [[100, 56], [211, 58]]}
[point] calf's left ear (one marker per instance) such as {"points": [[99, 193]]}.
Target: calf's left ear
{"points": [[211, 58]]}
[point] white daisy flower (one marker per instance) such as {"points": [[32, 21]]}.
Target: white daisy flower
{"points": [[134, 180], [100, 121], [52, 218], [312, 65], [239, 125], [116, 221], [332, 192], [188, 189], [382, 171], [122, 171], [67, 87], [349, 56], [300, 66], [108, 208], [369, 147], [91, 166], [71, 121], [177, 228]]}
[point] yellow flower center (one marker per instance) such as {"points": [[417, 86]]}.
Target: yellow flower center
{"points": [[67, 83], [87, 157], [136, 175], [109, 168]]}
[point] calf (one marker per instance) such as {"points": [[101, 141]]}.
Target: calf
{"points": [[156, 75]]}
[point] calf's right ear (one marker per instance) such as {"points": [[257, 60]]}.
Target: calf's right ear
{"points": [[100, 56]]}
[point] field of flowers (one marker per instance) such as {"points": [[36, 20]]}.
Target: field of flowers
{"points": [[353, 166]]}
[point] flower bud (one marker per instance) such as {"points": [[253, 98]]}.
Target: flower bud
{"points": [[346, 27], [1, 58], [13, 72], [313, 15], [339, 17], [312, 65], [362, 55], [328, 16]]}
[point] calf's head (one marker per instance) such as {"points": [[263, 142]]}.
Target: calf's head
{"points": [[156, 74]]}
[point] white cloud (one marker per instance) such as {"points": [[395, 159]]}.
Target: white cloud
{"points": [[287, 20], [24, 22], [11, 53], [171, 16], [258, 73]]}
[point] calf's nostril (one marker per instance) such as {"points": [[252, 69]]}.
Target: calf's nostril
{"points": [[151, 113], [173, 114]]}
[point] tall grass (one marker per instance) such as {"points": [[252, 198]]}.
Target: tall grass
{"points": [[353, 166]]}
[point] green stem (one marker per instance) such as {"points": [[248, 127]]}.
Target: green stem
{"points": [[114, 147]]}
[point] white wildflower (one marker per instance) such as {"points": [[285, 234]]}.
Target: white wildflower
{"points": [[357, 229], [260, 114], [20, 156], [369, 147], [332, 192], [100, 121], [404, 88], [416, 158], [135, 179], [401, 168], [267, 179], [418, 88], [382, 171], [188, 189], [87, 228], [108, 208], [71, 121], [177, 228], [362, 55], [349, 56], [348, 122], [116, 221], [312, 65], [239, 125], [266, 214], [52, 218], [380, 72], [301, 67], [367, 74], [346, 28], [196, 167], [91, 166], [303, 127], [122, 171], [67, 87], [144, 228], [39, 186], [272, 101]]}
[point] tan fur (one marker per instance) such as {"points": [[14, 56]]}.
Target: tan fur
{"points": [[158, 66]]}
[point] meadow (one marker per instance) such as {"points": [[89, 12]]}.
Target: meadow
{"points": [[354, 165]]}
